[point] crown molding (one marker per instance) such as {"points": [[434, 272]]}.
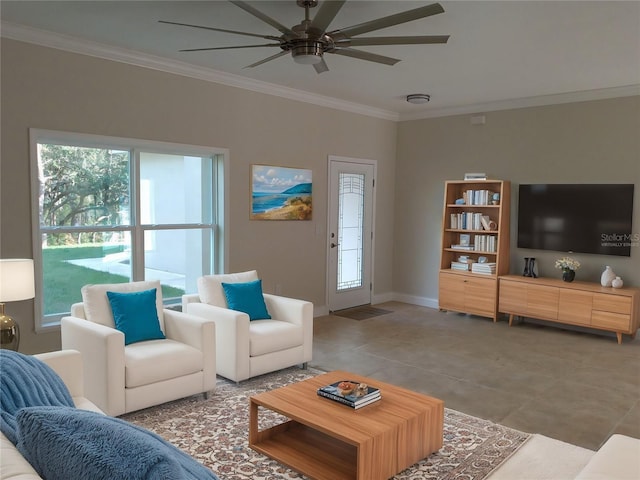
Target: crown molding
{"points": [[539, 101], [73, 44], [132, 57]]}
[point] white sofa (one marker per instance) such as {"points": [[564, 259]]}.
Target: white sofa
{"points": [[245, 348], [544, 458], [68, 365]]}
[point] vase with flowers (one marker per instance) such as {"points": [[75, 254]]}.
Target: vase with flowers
{"points": [[568, 266]]}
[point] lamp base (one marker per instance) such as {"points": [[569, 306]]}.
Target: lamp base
{"points": [[9, 332]]}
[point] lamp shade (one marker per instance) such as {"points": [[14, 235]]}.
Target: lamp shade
{"points": [[16, 279]]}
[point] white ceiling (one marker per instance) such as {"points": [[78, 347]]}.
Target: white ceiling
{"points": [[500, 54]]}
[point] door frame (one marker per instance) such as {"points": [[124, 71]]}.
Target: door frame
{"points": [[330, 202]]}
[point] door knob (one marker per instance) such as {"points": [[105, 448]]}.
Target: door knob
{"points": [[334, 245]]}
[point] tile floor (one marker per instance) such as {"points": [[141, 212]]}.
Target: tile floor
{"points": [[575, 386]]}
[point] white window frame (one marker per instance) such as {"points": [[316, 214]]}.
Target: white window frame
{"points": [[135, 146]]}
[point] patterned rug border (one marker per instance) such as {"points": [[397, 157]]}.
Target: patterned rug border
{"points": [[473, 447]]}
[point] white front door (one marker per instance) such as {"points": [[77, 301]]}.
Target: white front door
{"points": [[350, 229]]}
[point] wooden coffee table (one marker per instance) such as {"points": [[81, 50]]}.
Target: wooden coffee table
{"points": [[326, 440]]}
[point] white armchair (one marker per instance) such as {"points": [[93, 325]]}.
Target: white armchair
{"points": [[121, 378], [245, 348]]}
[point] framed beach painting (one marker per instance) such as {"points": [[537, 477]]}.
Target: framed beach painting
{"points": [[280, 193]]}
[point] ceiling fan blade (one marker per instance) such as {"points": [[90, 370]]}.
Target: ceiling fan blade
{"points": [[359, 42], [371, 57], [327, 12], [229, 48], [321, 67], [266, 37], [268, 59], [257, 13], [389, 21]]}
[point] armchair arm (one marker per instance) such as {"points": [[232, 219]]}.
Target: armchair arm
{"points": [[289, 309], [102, 350], [197, 332], [232, 338], [189, 298], [299, 312]]}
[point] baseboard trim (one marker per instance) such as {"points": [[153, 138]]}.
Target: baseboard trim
{"points": [[415, 300]]}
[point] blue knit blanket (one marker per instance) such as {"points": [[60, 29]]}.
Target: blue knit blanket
{"points": [[61, 442], [64, 443], [26, 381]]}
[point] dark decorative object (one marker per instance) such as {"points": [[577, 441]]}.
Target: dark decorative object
{"points": [[568, 275], [529, 267]]}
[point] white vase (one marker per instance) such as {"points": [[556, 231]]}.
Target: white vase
{"points": [[617, 282], [607, 277]]}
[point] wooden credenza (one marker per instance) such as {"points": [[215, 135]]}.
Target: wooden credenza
{"points": [[576, 303]]}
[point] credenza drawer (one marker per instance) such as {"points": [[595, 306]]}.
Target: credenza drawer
{"points": [[542, 302], [512, 298], [575, 306], [608, 320], [612, 303]]}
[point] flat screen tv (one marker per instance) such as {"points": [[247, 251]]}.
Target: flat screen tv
{"points": [[581, 218]]}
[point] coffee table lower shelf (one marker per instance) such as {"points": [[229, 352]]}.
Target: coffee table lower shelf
{"points": [[307, 451]]}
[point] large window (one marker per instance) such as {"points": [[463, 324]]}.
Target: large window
{"points": [[111, 210]]}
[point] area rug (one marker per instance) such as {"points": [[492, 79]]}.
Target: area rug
{"points": [[361, 313], [215, 431]]}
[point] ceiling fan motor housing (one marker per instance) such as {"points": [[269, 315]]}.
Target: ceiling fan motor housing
{"points": [[307, 51]]}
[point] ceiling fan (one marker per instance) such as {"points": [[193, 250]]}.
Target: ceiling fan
{"points": [[309, 40]]}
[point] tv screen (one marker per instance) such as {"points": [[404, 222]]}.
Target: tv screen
{"points": [[581, 218]]}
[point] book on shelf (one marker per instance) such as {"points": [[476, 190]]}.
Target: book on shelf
{"points": [[466, 221], [477, 197], [488, 268], [475, 176], [464, 266], [462, 247], [485, 243], [350, 393]]}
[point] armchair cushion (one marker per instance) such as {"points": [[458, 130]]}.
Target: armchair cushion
{"points": [[246, 297], [159, 360], [96, 304], [63, 443], [268, 336], [210, 286], [135, 314]]}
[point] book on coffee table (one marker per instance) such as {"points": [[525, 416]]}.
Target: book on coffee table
{"points": [[350, 393]]}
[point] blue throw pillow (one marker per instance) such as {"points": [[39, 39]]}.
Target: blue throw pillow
{"points": [[246, 297], [63, 443], [135, 314]]}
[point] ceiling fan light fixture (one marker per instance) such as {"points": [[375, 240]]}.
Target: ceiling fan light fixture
{"points": [[418, 98], [307, 53]]}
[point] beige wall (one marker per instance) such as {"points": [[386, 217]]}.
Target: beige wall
{"points": [[50, 89], [587, 142]]}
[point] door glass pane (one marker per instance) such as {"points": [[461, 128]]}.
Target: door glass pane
{"points": [[350, 230], [175, 189], [72, 260], [177, 257]]}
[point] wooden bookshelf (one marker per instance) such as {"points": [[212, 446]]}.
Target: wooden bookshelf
{"points": [[471, 211]]}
